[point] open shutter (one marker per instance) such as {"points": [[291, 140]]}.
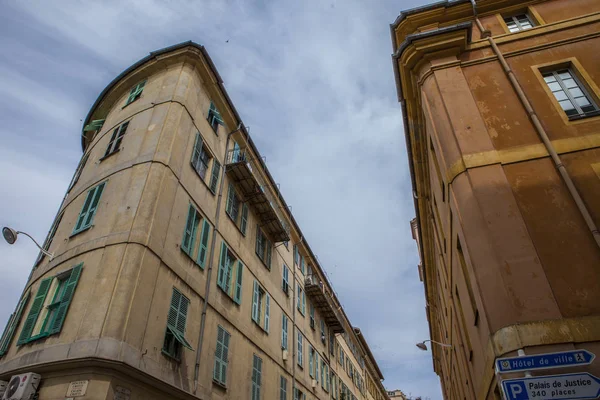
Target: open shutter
{"points": [[197, 151], [269, 250], [237, 297], [214, 178], [311, 362], [228, 271], [218, 355], [215, 113], [302, 264], [244, 221], [34, 312], [222, 266], [186, 243], [84, 210], [13, 322], [295, 254], [95, 125], [303, 303], [62, 309], [284, 332], [122, 130], [229, 203], [255, 295], [267, 312], [203, 244]]}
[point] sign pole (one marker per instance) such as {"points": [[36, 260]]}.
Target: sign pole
{"points": [[521, 353]]}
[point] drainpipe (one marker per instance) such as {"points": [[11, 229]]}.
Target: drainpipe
{"points": [[294, 331], [540, 130], [210, 263]]}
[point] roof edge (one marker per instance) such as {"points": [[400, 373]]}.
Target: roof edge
{"points": [[363, 342], [443, 3]]}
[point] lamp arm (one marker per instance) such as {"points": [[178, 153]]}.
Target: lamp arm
{"points": [[38, 245], [441, 344]]}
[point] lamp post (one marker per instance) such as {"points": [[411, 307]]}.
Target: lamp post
{"points": [[10, 235], [423, 346]]}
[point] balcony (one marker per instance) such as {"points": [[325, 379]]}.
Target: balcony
{"points": [[322, 300], [244, 171]]}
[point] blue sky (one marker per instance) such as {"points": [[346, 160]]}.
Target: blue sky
{"points": [[313, 81]]}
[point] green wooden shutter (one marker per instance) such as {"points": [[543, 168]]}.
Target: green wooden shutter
{"points": [[122, 130], [311, 364], [214, 178], [269, 250], [255, 296], [203, 249], [244, 221], [284, 332], [302, 264], [282, 388], [61, 311], [94, 195], [34, 312], [187, 242], [13, 322], [229, 203], [238, 284], [303, 303], [221, 356], [197, 151], [267, 312], [95, 125], [228, 272], [215, 113], [300, 351], [84, 210], [317, 366], [295, 254], [222, 266]]}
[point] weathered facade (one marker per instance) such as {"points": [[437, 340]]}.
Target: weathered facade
{"points": [[502, 122], [179, 271]]}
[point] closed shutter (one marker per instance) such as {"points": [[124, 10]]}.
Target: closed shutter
{"points": [[86, 216], [255, 296], [13, 322], [303, 303], [221, 356], [61, 311], [237, 297], [311, 358], [222, 266], [284, 332], [228, 271], [256, 377], [300, 351], [202, 251], [34, 312], [187, 242], [244, 221], [267, 312], [282, 388], [286, 279], [229, 203], [214, 177]]}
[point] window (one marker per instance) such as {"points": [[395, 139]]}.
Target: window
{"points": [[200, 157], [230, 271], [221, 356], [282, 388], [193, 245], [244, 219], [77, 174], [301, 300], [50, 238], [13, 323], [214, 117], [264, 247], [135, 92], [518, 22], [256, 377], [285, 284], [341, 357], [50, 305], [86, 216], [233, 204], [323, 333], [334, 385], [311, 309], [332, 344], [296, 255], [302, 264], [261, 304], [214, 177], [284, 332], [300, 360], [115, 140], [324, 376], [311, 361], [570, 93], [298, 395], [176, 320]]}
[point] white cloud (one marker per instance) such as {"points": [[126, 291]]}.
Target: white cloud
{"points": [[314, 82]]}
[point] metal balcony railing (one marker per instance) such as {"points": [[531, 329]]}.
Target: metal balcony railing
{"points": [[324, 302], [244, 170]]}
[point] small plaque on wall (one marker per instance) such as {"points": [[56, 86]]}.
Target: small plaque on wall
{"points": [[77, 389], [122, 393]]}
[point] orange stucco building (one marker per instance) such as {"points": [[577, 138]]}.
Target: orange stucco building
{"points": [[502, 121]]}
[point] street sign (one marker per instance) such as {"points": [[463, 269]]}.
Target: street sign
{"points": [[553, 387], [561, 359]]}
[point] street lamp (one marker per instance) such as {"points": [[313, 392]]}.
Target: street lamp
{"points": [[423, 346], [10, 235]]}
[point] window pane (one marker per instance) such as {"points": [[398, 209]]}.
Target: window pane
{"points": [[554, 86], [549, 78], [582, 101], [570, 83], [564, 74], [576, 92], [566, 105], [560, 95], [513, 28], [526, 25], [571, 112], [589, 108]]}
